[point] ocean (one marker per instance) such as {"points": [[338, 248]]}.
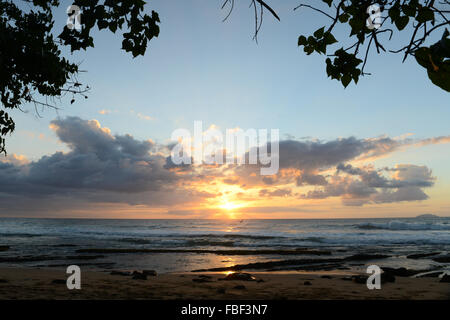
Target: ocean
{"points": [[187, 245]]}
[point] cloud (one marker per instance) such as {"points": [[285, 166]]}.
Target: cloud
{"points": [[275, 193], [102, 168], [359, 186]]}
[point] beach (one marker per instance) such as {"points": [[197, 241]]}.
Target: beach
{"points": [[184, 259], [40, 284]]}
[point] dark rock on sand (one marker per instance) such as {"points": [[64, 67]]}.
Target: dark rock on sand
{"points": [[360, 279], [221, 290], [401, 272], [422, 255], [387, 277], [286, 264], [120, 273], [260, 280], [363, 256], [139, 276], [3, 281], [239, 276], [442, 259], [307, 283], [347, 278], [445, 278], [240, 287], [4, 248], [150, 273], [326, 277], [201, 280], [59, 281]]}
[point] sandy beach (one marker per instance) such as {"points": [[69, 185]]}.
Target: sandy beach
{"points": [[50, 284]]}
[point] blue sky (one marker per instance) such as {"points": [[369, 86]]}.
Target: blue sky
{"points": [[200, 68]]}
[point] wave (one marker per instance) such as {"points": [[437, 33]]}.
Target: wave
{"points": [[398, 225], [195, 243], [22, 235]]}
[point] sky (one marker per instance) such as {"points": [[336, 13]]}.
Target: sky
{"points": [[376, 149]]}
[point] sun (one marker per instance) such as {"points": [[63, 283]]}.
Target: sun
{"points": [[229, 206]]}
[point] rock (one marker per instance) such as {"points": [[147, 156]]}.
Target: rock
{"points": [[442, 259], [326, 277], [3, 281], [204, 276], [221, 290], [151, 273], [260, 280], [201, 280], [347, 278], [422, 255], [401, 272], [4, 248], [307, 283], [120, 273], [59, 281], [139, 276], [387, 277], [445, 278], [240, 287], [360, 279], [239, 276]]}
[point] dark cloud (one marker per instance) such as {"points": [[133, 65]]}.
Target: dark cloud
{"points": [[275, 193], [104, 168], [362, 185], [100, 167]]}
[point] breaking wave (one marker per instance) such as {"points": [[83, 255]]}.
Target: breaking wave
{"points": [[398, 225]]}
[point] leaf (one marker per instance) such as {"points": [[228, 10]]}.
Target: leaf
{"points": [[401, 22], [302, 40], [329, 38], [343, 18], [425, 14], [346, 78], [319, 32], [394, 13]]}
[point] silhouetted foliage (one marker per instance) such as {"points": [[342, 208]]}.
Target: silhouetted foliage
{"points": [[32, 68], [423, 17]]}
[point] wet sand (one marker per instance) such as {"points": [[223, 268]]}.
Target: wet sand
{"points": [[22, 283]]}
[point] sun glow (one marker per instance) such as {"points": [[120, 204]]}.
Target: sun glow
{"points": [[229, 206]]}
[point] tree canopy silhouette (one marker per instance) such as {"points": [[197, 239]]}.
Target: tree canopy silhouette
{"points": [[33, 69], [423, 17]]}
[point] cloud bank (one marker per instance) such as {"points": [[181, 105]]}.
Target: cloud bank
{"points": [[102, 168]]}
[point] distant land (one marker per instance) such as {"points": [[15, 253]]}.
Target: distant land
{"points": [[427, 215]]}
